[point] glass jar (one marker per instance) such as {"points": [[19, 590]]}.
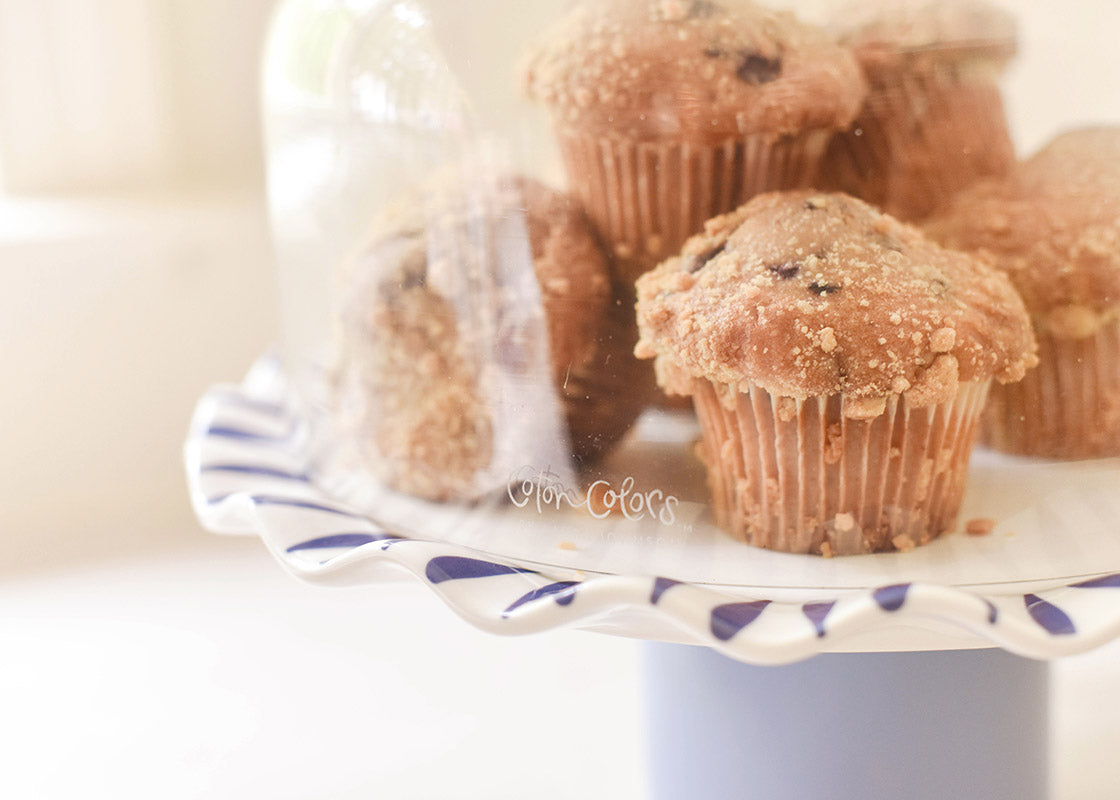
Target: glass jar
{"points": [[512, 323]]}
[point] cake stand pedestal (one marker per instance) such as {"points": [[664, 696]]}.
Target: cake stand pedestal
{"points": [[961, 723]]}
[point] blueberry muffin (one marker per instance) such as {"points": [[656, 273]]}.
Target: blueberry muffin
{"points": [[669, 112], [838, 361], [1054, 227], [477, 313], [933, 121]]}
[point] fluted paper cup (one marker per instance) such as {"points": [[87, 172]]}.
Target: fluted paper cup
{"points": [[1068, 407], [801, 477], [647, 198]]}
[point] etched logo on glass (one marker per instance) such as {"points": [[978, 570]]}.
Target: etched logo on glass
{"points": [[543, 489]]}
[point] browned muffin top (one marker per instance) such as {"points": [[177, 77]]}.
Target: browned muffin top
{"points": [[1081, 163], [808, 294], [951, 29], [1054, 227], [701, 70]]}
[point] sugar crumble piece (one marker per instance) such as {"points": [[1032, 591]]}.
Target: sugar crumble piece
{"points": [[864, 407], [903, 543], [980, 526], [567, 546], [786, 409], [833, 443], [1073, 321], [942, 340]]}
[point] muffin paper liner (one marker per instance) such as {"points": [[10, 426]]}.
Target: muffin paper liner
{"points": [[799, 476], [920, 140], [1067, 407], [647, 198]]}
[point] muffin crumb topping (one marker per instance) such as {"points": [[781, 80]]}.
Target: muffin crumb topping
{"points": [[980, 526], [807, 295], [1054, 227], [695, 69]]}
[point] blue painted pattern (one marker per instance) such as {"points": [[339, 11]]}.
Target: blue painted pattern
{"points": [[454, 568], [291, 502], [891, 598], [727, 620], [257, 471], [817, 612], [660, 586], [1107, 582], [335, 540], [264, 407], [564, 592], [1049, 616], [229, 432]]}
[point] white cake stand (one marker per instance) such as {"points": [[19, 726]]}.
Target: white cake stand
{"points": [[914, 675]]}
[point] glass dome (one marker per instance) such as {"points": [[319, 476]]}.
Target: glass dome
{"points": [[707, 288]]}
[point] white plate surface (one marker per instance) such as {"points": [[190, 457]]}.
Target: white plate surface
{"points": [[1044, 583]]}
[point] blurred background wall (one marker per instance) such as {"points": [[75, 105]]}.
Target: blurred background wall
{"points": [[135, 260]]}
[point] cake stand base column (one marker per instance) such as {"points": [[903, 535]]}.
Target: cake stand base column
{"points": [[963, 723]]}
